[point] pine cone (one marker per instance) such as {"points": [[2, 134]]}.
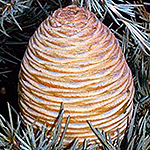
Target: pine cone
{"points": [[75, 59]]}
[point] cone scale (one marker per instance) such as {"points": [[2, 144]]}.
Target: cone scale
{"points": [[74, 59]]}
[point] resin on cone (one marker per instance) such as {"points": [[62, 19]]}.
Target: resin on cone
{"points": [[74, 59]]}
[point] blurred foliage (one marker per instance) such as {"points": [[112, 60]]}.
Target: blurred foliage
{"points": [[128, 20]]}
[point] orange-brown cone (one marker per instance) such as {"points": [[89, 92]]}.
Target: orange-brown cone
{"points": [[75, 59]]}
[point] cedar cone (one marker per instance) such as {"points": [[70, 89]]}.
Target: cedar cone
{"points": [[74, 59]]}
